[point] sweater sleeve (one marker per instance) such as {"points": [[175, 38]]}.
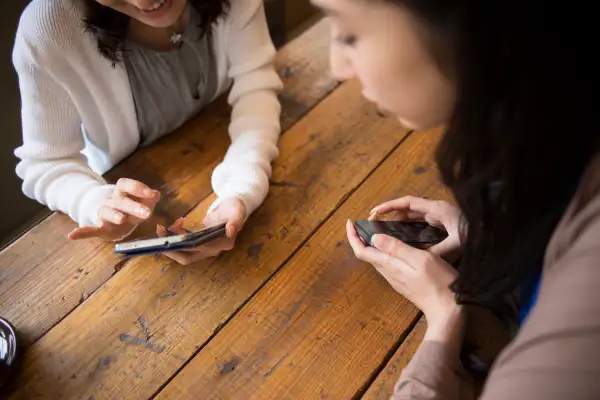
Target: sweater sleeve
{"points": [[52, 167], [434, 373], [255, 125], [556, 354]]}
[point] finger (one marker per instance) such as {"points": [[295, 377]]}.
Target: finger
{"points": [[151, 202], [177, 227], [397, 249], [185, 258], [379, 259], [443, 247], [179, 257], [135, 188], [111, 215], [234, 223], [405, 203], [84, 232], [129, 207], [401, 215], [358, 246], [161, 231], [217, 246], [204, 251]]}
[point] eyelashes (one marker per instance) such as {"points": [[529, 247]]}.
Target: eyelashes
{"points": [[347, 40]]}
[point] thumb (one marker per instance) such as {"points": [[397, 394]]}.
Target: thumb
{"points": [[394, 247], [84, 232], [235, 221]]}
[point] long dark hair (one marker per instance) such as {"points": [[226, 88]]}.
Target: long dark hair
{"points": [[109, 26], [524, 128]]}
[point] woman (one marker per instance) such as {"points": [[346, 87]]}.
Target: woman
{"points": [[514, 86], [99, 78]]}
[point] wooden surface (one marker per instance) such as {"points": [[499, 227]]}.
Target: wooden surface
{"points": [[290, 313], [384, 384], [179, 166]]}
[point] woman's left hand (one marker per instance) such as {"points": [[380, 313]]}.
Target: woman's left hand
{"points": [[231, 211], [420, 276]]}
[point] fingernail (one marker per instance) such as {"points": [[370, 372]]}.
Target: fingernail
{"points": [[373, 211], [376, 240], [149, 192], [118, 216], [144, 211]]}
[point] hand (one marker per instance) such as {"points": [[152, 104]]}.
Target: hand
{"points": [[132, 202], [231, 211], [436, 213], [420, 276]]}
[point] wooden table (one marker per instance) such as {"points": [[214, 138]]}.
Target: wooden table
{"points": [[288, 314]]}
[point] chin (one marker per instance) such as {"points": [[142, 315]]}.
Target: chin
{"points": [[419, 125], [166, 16]]}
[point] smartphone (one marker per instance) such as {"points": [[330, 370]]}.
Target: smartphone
{"points": [[414, 233], [170, 243]]}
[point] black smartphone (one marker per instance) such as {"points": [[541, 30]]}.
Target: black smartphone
{"points": [[170, 243], [414, 233]]}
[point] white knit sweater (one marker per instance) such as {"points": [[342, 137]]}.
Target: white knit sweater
{"points": [[79, 117]]}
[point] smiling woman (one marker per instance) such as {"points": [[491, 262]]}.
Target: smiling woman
{"points": [[112, 20], [130, 72]]}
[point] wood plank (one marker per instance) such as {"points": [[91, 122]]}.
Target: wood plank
{"points": [[383, 387], [43, 276], [326, 322], [140, 327]]}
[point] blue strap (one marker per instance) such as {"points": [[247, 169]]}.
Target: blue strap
{"points": [[529, 294]]}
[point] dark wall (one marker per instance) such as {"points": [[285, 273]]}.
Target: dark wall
{"points": [[18, 211]]}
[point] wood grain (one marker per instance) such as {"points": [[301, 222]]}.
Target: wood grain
{"points": [[43, 276], [326, 322], [139, 328], [383, 387]]}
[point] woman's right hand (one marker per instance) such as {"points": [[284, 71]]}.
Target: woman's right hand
{"points": [[436, 213], [132, 203]]}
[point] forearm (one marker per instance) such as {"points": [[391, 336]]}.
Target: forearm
{"points": [[68, 186], [434, 373]]}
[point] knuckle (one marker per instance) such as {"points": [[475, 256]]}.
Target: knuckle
{"points": [[428, 258], [359, 253]]}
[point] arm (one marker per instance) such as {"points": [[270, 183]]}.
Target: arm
{"points": [[435, 372], [556, 355], [53, 170], [255, 126]]}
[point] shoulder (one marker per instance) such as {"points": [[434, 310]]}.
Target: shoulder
{"points": [[49, 27], [241, 12]]}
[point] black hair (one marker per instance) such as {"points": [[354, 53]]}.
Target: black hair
{"points": [[109, 27], [523, 130]]}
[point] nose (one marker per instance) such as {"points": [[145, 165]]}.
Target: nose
{"points": [[341, 65]]}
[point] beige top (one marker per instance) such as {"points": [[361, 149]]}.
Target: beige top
{"points": [[556, 354]]}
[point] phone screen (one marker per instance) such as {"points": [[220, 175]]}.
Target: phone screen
{"points": [[410, 232]]}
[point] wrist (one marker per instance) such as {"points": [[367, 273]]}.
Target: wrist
{"points": [[446, 324]]}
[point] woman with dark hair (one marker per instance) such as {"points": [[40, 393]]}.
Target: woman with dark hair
{"points": [[514, 83], [99, 78]]}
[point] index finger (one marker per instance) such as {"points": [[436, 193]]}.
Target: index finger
{"points": [[397, 249], [406, 203], [135, 188]]}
